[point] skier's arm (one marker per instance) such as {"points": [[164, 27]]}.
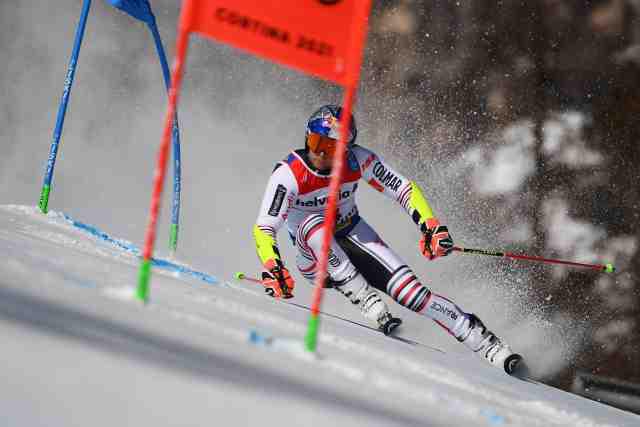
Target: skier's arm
{"points": [[281, 188], [436, 240], [393, 185]]}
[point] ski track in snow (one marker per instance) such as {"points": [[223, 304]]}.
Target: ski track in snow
{"points": [[404, 376]]}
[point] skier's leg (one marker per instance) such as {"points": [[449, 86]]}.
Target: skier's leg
{"points": [[384, 269], [343, 275]]}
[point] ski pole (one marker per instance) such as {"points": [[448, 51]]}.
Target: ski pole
{"points": [[607, 268], [241, 276]]}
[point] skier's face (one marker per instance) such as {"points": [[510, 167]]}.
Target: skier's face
{"points": [[321, 161], [321, 145], [321, 150]]}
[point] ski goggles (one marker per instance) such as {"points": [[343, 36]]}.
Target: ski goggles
{"points": [[320, 144]]}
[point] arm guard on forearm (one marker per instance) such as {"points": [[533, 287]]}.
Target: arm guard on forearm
{"points": [[418, 207], [266, 245]]}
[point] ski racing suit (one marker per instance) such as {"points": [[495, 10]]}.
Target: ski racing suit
{"points": [[297, 195]]}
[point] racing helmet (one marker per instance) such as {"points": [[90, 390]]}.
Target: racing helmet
{"points": [[323, 130]]}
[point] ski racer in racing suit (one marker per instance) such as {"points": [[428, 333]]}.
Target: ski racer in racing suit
{"points": [[360, 263]]}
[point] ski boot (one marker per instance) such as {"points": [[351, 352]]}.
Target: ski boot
{"points": [[486, 344], [371, 305]]}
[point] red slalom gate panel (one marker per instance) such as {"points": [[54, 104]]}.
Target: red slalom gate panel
{"points": [[318, 37]]}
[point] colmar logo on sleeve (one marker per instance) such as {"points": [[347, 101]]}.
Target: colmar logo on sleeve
{"points": [[387, 178]]}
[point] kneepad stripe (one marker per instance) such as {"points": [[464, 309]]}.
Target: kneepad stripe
{"points": [[306, 254], [313, 230], [308, 226], [425, 302], [416, 303], [397, 290], [396, 276], [411, 292], [311, 268]]}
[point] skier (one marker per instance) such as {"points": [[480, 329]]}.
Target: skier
{"points": [[360, 263]]}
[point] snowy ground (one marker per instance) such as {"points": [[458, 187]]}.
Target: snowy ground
{"points": [[78, 349]]}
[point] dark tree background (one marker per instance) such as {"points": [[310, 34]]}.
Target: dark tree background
{"points": [[484, 66]]}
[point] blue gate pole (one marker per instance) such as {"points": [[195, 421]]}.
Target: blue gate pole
{"points": [[175, 213], [62, 110]]}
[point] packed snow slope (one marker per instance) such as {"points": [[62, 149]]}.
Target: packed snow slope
{"points": [[79, 349]]}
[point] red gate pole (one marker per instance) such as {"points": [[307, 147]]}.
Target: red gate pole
{"points": [[186, 17], [356, 48], [329, 219]]}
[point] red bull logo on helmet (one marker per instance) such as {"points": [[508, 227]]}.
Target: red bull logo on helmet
{"points": [[331, 122], [325, 121]]}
